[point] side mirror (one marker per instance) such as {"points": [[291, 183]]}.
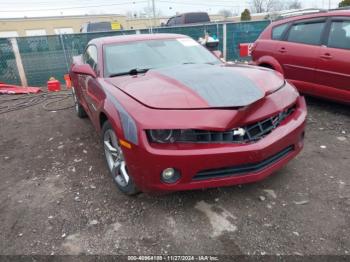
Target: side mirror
{"points": [[84, 69], [217, 53]]}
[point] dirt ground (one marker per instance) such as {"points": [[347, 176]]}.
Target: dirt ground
{"points": [[56, 196]]}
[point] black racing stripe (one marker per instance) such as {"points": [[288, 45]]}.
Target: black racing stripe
{"points": [[217, 85]]}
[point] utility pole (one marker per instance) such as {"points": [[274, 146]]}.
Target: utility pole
{"points": [[329, 4], [154, 10]]}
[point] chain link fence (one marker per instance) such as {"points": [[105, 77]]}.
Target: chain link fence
{"points": [[8, 66], [43, 57]]}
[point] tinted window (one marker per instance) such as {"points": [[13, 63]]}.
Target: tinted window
{"points": [[99, 27], [278, 31], [196, 18], [171, 21], [178, 20], [90, 56], [306, 33], [339, 35]]}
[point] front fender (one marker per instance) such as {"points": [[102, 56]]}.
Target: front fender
{"points": [[113, 117], [122, 121]]}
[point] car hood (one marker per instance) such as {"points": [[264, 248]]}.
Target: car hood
{"points": [[200, 86]]}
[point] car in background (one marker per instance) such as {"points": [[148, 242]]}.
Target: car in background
{"points": [[173, 116], [311, 51], [100, 27], [189, 18]]}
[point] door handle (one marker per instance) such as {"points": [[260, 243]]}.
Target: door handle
{"points": [[326, 56], [282, 50]]}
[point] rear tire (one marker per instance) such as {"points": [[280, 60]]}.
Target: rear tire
{"points": [[80, 111], [115, 161]]}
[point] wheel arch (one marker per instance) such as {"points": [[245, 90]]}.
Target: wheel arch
{"points": [[102, 119], [123, 124], [270, 62], [110, 114]]}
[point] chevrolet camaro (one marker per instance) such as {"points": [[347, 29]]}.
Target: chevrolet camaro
{"points": [[173, 116]]}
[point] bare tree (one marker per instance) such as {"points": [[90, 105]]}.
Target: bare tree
{"points": [[225, 12], [261, 6], [257, 6], [148, 12], [278, 5], [294, 4]]}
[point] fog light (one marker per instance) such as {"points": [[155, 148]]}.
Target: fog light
{"points": [[170, 175]]}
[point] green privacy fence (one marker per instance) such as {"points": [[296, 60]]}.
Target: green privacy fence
{"points": [[242, 33], [45, 56]]}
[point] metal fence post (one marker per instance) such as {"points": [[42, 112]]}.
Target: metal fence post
{"points": [[20, 68], [64, 51], [224, 39]]}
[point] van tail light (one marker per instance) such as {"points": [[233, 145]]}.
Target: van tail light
{"points": [[245, 49], [253, 48]]}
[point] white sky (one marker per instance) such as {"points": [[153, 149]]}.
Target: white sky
{"points": [[29, 8]]}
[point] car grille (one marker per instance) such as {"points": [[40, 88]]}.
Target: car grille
{"points": [[252, 132], [242, 169]]}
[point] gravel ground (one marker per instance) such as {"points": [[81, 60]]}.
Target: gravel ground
{"points": [[56, 196]]}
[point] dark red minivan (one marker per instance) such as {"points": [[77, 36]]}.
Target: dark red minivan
{"points": [[312, 51]]}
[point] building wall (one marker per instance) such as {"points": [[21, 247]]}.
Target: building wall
{"points": [[51, 23], [141, 23]]}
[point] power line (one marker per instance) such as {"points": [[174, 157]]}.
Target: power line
{"points": [[217, 3], [195, 4], [61, 2], [68, 8]]}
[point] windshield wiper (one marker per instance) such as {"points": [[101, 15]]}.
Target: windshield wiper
{"points": [[134, 71], [193, 63]]}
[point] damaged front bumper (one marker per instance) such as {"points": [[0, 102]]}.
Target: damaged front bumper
{"points": [[218, 165]]}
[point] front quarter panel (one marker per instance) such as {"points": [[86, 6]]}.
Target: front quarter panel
{"points": [[118, 112]]}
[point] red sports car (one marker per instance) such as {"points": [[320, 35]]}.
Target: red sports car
{"points": [[173, 116]]}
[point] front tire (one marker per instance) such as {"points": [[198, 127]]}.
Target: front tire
{"points": [[116, 162], [80, 111]]}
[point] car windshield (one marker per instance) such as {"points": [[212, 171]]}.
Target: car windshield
{"points": [[140, 55]]}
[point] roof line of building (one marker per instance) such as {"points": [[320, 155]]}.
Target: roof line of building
{"points": [[58, 17]]}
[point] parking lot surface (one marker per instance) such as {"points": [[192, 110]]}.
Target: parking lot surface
{"points": [[56, 196]]}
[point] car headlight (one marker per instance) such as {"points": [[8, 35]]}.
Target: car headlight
{"points": [[161, 135]]}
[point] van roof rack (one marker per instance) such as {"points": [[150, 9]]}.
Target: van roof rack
{"points": [[298, 12], [340, 8]]}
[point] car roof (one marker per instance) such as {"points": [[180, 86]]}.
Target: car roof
{"points": [[313, 15], [188, 13], [130, 38]]}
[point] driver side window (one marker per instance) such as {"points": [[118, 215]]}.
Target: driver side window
{"points": [[90, 57]]}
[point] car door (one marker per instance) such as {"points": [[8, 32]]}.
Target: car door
{"points": [[333, 67], [88, 82], [297, 52]]}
